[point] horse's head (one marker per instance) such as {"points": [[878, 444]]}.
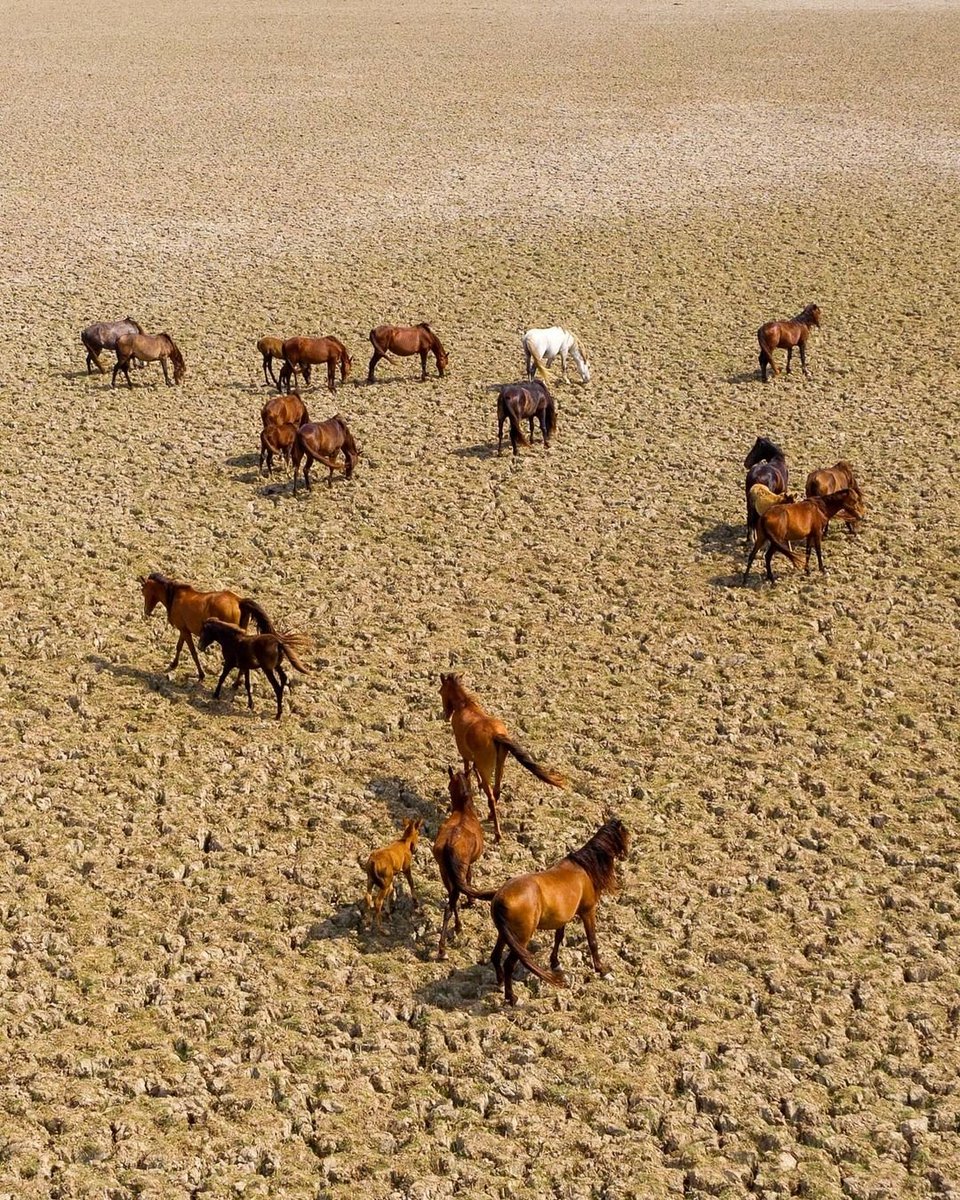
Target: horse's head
{"points": [[763, 450], [442, 356], [346, 365], [579, 356], [153, 592], [411, 832], [811, 314], [207, 634], [850, 504], [460, 785], [449, 692], [179, 366]]}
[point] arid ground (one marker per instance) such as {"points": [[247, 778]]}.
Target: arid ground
{"points": [[189, 1005]]}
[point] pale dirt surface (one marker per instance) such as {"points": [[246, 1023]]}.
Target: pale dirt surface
{"points": [[188, 1006]]}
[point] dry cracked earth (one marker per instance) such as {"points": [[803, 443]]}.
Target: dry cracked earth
{"points": [[189, 1003]]}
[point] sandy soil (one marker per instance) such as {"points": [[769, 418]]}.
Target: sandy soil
{"points": [[189, 1004]]}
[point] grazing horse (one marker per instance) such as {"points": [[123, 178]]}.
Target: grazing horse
{"points": [[383, 865], [764, 464], [254, 651], [483, 743], [807, 519], [542, 346], [282, 410], [270, 348], [834, 479], [550, 899], [775, 335], [187, 609], [524, 401], [458, 845], [302, 353], [276, 439], [103, 336], [321, 441], [148, 348], [406, 340]]}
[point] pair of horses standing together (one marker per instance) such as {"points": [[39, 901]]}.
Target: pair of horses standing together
{"points": [[130, 343], [288, 430]]}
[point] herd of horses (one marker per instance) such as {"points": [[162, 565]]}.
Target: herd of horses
{"points": [[547, 899]]}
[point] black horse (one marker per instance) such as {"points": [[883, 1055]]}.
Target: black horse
{"points": [[764, 464], [525, 401]]}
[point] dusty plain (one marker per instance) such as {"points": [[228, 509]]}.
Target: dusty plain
{"points": [[188, 1003]]}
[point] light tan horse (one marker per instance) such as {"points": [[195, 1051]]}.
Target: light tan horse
{"points": [[384, 865], [148, 347]]}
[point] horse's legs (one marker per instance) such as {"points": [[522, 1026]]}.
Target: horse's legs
{"points": [[227, 667], [589, 919], [768, 560], [113, 377], [423, 366], [442, 948], [126, 371], [509, 967], [193, 651], [306, 470], [801, 346], [806, 561], [166, 373], [501, 417], [331, 374], [277, 686], [557, 941], [789, 356], [758, 542], [375, 358], [541, 420], [491, 796], [563, 366], [763, 366], [816, 546], [496, 957], [531, 365], [408, 872], [176, 657], [469, 900]]}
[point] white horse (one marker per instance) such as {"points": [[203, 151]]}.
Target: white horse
{"points": [[541, 347]]}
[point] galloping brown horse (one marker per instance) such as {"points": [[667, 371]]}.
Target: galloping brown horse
{"points": [[806, 520], [774, 335], [484, 743], [321, 441], [254, 651], [302, 353], [405, 340], [148, 348], [552, 898], [102, 335], [525, 401], [270, 348], [834, 479], [458, 845], [187, 609]]}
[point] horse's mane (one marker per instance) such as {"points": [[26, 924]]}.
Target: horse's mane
{"points": [[765, 444], [599, 856], [424, 325]]}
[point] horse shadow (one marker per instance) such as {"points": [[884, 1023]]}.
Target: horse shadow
{"points": [[464, 989], [249, 459], [78, 374], [743, 377], [722, 538], [481, 450], [402, 800]]}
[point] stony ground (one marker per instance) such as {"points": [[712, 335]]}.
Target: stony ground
{"points": [[189, 1005]]}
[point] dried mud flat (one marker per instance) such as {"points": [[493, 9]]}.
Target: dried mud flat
{"points": [[189, 1005]]}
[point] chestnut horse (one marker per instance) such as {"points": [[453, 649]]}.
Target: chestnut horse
{"points": [[384, 865], [302, 353], [103, 336], [483, 743], [805, 520], [284, 409], [458, 845], [552, 898], [270, 348], [276, 439], [187, 609], [321, 441], [254, 651], [517, 402], [764, 464], [834, 479], [775, 335], [148, 348], [405, 340]]}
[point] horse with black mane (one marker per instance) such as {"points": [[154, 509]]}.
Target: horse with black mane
{"points": [[774, 335], [525, 401], [766, 464]]}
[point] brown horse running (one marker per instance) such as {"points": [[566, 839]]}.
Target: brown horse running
{"points": [[458, 845], [384, 865], [406, 340], [302, 353], [775, 335], [322, 441], [276, 439], [248, 652], [187, 609], [525, 401], [102, 335], [282, 410], [806, 520], [550, 900], [270, 348], [484, 743], [834, 479], [148, 348]]}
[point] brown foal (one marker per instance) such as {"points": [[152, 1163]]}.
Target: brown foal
{"points": [[458, 845]]}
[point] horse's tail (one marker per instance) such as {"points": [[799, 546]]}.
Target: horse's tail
{"points": [[455, 871], [380, 349], [524, 759], [250, 608], [781, 546], [516, 432], [504, 930], [541, 367], [291, 643]]}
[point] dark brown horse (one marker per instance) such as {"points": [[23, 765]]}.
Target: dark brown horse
{"points": [[103, 336], [148, 347], [302, 353], [525, 401], [775, 335], [276, 439], [828, 480], [806, 520], [187, 609], [270, 348], [764, 464], [552, 898], [405, 340], [246, 652], [458, 845], [322, 441]]}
